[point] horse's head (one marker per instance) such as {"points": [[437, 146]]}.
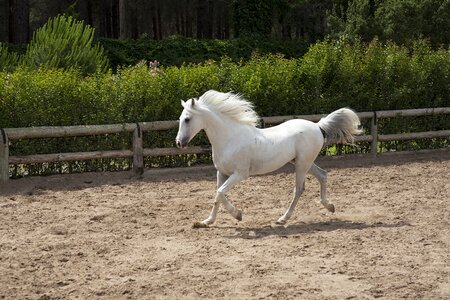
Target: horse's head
{"points": [[190, 123]]}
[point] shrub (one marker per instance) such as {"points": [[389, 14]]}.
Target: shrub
{"points": [[179, 50], [375, 77], [329, 76], [8, 60], [44, 97], [64, 42]]}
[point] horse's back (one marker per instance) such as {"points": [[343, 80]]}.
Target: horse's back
{"points": [[301, 131]]}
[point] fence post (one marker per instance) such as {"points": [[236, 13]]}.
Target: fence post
{"points": [[4, 156], [374, 134], [138, 151]]}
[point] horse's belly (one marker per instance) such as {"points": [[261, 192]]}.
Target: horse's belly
{"points": [[264, 167], [262, 163]]}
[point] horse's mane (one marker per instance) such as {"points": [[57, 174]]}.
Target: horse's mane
{"points": [[231, 105]]}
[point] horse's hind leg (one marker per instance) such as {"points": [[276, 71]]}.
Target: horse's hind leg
{"points": [[300, 174], [321, 175]]}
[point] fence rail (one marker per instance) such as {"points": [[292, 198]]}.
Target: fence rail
{"points": [[138, 152]]}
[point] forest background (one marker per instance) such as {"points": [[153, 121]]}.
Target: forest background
{"points": [[128, 29], [304, 20]]}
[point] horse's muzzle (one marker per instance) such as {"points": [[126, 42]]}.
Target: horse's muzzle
{"points": [[182, 143]]}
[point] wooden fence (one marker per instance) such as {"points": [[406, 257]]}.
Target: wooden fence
{"points": [[138, 152]]}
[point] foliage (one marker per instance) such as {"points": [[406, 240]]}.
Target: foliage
{"points": [[377, 76], [8, 60], [298, 23], [400, 21], [407, 20], [252, 17], [179, 50], [64, 42], [330, 75], [356, 22], [51, 97]]}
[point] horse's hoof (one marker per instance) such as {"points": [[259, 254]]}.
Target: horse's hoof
{"points": [[280, 222], [239, 215], [330, 207], [199, 225]]}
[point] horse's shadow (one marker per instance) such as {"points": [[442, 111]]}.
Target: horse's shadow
{"points": [[307, 228]]}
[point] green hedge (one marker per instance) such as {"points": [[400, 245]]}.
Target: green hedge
{"points": [[179, 50], [331, 75]]}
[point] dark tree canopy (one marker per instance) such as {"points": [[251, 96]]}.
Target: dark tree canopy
{"points": [[308, 20]]}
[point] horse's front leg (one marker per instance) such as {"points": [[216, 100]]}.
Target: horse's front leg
{"points": [[224, 184], [213, 215]]}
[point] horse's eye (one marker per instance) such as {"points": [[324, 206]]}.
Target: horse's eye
{"points": [[187, 120]]}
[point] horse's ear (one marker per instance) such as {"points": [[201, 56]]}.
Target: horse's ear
{"points": [[193, 102], [183, 103]]}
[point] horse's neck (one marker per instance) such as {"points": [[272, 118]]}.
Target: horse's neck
{"points": [[222, 131]]}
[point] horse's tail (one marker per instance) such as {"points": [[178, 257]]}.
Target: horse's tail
{"points": [[340, 126]]}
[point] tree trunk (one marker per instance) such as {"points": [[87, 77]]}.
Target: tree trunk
{"points": [[202, 19], [209, 20], [188, 18], [155, 21], [226, 20], [122, 19], [222, 18], [115, 26], [4, 20], [19, 19], [178, 21], [84, 9], [158, 18]]}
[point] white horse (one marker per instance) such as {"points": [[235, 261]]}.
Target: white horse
{"points": [[240, 149]]}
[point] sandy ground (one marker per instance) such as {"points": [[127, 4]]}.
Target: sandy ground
{"points": [[111, 236]]}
